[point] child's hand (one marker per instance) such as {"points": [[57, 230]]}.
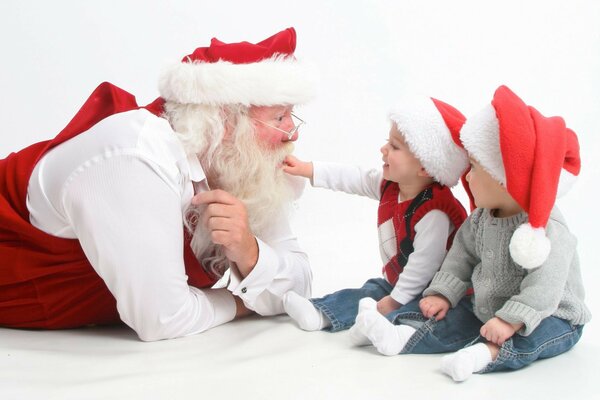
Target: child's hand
{"points": [[498, 331], [387, 305], [294, 166], [434, 306]]}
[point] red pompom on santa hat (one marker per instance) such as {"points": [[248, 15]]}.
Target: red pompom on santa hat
{"points": [[431, 129], [261, 74], [535, 157]]}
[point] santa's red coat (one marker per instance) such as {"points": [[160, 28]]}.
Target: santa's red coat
{"points": [[46, 281]]}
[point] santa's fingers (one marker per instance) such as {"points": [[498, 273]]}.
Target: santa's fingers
{"points": [[224, 224], [216, 210], [214, 196]]}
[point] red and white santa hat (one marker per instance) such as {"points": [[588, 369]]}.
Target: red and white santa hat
{"points": [[261, 74], [535, 157], [431, 130]]}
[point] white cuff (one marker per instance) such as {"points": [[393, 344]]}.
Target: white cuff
{"points": [[259, 279], [222, 304]]}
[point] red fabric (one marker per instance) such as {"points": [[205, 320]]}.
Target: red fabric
{"points": [[283, 42], [46, 281], [534, 149], [453, 119], [441, 199]]}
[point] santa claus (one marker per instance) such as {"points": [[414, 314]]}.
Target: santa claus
{"points": [[133, 213]]}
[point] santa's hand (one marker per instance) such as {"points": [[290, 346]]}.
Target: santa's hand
{"points": [[294, 166], [227, 220]]}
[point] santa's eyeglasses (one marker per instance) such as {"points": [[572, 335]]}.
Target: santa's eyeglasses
{"points": [[298, 122]]}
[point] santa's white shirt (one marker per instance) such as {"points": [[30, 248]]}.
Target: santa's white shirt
{"points": [[121, 189]]}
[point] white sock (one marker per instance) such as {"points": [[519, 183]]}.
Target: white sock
{"points": [[388, 339], [462, 364], [357, 337], [304, 312]]}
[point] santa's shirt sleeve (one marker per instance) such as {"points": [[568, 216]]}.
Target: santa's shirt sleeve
{"points": [[115, 190]]}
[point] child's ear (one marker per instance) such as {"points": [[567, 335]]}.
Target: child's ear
{"points": [[423, 173]]}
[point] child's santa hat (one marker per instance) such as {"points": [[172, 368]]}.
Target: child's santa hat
{"points": [[431, 130], [261, 74], [535, 158]]}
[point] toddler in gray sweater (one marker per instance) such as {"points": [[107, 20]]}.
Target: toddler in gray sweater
{"points": [[514, 250]]}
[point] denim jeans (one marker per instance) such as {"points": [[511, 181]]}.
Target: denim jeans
{"points": [[460, 328], [341, 307]]}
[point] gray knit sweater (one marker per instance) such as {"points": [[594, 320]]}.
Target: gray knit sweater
{"points": [[480, 255]]}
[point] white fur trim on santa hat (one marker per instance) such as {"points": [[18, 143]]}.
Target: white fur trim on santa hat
{"points": [[274, 81], [430, 140], [529, 247], [481, 137]]}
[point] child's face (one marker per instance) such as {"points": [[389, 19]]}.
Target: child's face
{"points": [[489, 193], [400, 165]]}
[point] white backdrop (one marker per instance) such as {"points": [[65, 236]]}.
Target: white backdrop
{"points": [[54, 53], [368, 53]]}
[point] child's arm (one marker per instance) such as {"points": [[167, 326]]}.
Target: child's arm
{"points": [[294, 166], [543, 288], [338, 177], [454, 277], [429, 244]]}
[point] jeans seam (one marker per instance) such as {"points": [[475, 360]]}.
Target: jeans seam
{"points": [[428, 327], [335, 323], [416, 337], [507, 353]]}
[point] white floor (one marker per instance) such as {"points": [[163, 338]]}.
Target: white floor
{"points": [[259, 359]]}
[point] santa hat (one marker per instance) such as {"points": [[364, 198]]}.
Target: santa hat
{"points": [[431, 130], [535, 158], [261, 74]]}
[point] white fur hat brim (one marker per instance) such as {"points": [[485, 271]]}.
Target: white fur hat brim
{"points": [[481, 137], [430, 140], [274, 81]]}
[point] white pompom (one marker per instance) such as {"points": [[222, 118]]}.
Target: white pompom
{"points": [[529, 247]]}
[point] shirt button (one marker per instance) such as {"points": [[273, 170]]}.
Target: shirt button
{"points": [[244, 290], [489, 254], [483, 310]]}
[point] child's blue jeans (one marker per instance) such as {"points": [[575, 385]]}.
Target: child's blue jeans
{"points": [[460, 328], [341, 307]]}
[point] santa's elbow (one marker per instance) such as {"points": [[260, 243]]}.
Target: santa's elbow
{"points": [[152, 336]]}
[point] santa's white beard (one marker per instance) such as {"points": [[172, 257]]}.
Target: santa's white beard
{"points": [[252, 174]]}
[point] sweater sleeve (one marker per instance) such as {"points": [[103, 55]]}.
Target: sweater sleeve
{"points": [[454, 276], [542, 288], [431, 235], [348, 178]]}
